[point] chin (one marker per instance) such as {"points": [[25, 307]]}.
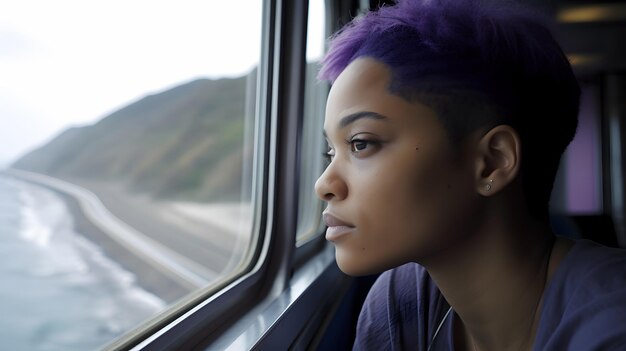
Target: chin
{"points": [[360, 267]]}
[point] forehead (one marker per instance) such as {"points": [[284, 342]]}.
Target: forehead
{"points": [[362, 80], [364, 86]]}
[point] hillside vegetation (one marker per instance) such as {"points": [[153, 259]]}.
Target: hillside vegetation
{"points": [[183, 143]]}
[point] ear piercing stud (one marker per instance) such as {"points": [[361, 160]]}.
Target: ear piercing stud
{"points": [[488, 186]]}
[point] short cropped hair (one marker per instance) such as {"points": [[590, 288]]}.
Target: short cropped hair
{"points": [[477, 64]]}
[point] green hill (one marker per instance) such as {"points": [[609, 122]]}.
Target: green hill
{"points": [[183, 143]]}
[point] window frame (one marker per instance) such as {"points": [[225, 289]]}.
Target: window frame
{"points": [[198, 317], [203, 318], [290, 292]]}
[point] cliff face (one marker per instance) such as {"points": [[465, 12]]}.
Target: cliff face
{"points": [[184, 143]]}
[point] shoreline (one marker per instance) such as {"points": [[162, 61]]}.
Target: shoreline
{"points": [[147, 277], [164, 272]]}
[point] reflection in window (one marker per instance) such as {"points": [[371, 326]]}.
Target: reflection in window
{"points": [[312, 141], [128, 142]]}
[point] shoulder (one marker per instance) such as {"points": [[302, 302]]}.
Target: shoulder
{"points": [[585, 303], [403, 307]]}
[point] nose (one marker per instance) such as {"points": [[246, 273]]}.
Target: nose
{"points": [[330, 185]]}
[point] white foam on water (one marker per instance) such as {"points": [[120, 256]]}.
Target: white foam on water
{"points": [[73, 296]]}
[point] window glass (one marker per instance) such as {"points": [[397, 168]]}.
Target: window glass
{"points": [[127, 146], [578, 185], [311, 165]]}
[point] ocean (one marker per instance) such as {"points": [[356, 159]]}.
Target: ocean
{"points": [[58, 291]]}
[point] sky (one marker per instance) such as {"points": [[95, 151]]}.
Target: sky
{"points": [[72, 62]]}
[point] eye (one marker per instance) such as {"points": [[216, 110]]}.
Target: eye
{"points": [[357, 145], [328, 155], [362, 147]]}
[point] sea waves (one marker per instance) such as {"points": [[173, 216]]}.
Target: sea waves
{"points": [[59, 291]]}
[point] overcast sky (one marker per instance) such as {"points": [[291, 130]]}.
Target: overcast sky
{"points": [[72, 62]]}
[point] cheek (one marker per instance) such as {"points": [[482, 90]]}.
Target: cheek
{"points": [[414, 205], [405, 209], [396, 205], [444, 204]]}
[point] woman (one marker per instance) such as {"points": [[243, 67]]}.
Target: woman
{"points": [[445, 123]]}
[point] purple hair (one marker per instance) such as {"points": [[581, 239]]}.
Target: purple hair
{"points": [[476, 63]]}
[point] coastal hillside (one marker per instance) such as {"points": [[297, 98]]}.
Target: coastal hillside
{"points": [[183, 143]]}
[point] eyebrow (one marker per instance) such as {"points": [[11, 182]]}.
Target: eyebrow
{"points": [[353, 117]]}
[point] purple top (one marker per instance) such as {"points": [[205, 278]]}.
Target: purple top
{"points": [[584, 307]]}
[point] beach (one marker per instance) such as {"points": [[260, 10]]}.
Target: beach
{"points": [[173, 248]]}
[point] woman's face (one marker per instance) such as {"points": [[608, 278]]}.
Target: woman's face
{"points": [[397, 189]]}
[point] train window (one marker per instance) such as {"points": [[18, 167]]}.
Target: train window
{"points": [[582, 160], [129, 139], [311, 162]]}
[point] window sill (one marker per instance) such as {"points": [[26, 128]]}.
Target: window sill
{"points": [[280, 322]]}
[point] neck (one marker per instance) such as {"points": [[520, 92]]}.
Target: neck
{"points": [[495, 280]]}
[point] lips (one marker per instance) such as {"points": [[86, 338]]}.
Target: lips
{"points": [[332, 221], [336, 227]]}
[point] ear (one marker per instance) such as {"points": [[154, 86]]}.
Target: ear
{"points": [[497, 160]]}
